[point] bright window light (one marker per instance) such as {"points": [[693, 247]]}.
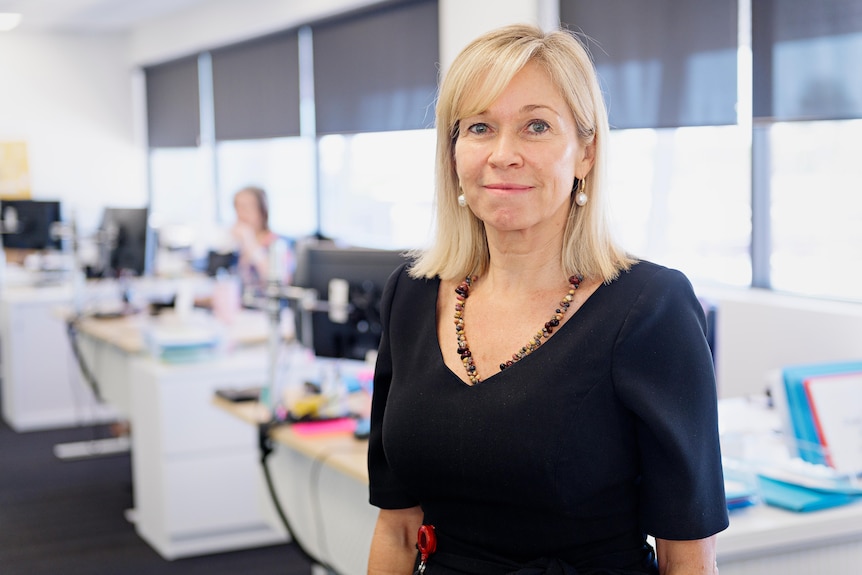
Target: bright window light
{"points": [[9, 21]]}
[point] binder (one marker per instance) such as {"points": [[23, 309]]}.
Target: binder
{"points": [[836, 410], [802, 416]]}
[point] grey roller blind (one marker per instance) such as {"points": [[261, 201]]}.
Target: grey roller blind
{"points": [[256, 88], [377, 71], [662, 63], [807, 59], [173, 105]]}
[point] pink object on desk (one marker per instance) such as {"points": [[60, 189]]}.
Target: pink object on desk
{"points": [[226, 299], [340, 426]]}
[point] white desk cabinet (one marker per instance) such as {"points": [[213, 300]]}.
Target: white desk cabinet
{"points": [[321, 483], [327, 507], [198, 483], [764, 539], [42, 385]]}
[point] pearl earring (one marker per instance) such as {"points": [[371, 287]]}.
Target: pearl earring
{"points": [[581, 197], [462, 200]]}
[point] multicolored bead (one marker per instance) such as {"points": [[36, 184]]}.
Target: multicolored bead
{"points": [[462, 292]]}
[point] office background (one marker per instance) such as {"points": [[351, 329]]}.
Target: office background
{"points": [[732, 153]]}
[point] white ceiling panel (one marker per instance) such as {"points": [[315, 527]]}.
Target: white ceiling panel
{"points": [[92, 15]]}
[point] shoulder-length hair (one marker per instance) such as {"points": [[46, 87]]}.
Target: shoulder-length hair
{"points": [[477, 77], [260, 197]]}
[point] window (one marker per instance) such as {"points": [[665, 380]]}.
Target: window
{"points": [[679, 160], [807, 104], [774, 205], [255, 87], [662, 63], [377, 71], [375, 194], [680, 197], [173, 104], [181, 206], [284, 167], [816, 208]]}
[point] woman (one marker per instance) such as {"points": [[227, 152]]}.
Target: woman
{"points": [[254, 237], [541, 399]]}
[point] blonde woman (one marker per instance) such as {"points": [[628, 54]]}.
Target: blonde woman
{"points": [[543, 401]]}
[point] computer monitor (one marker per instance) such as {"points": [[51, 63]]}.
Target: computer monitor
{"points": [[27, 224], [123, 237], [365, 271]]}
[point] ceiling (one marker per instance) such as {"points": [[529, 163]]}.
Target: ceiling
{"points": [[92, 15]]}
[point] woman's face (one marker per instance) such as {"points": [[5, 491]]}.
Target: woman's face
{"points": [[517, 160], [248, 210]]}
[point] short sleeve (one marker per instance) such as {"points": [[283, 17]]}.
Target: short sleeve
{"points": [[385, 489], [663, 373]]}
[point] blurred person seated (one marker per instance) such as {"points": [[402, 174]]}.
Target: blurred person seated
{"points": [[254, 239]]}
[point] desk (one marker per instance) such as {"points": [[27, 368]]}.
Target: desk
{"points": [[198, 487], [324, 481], [42, 387], [322, 485], [108, 344], [764, 539]]}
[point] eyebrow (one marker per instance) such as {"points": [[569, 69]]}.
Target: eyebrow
{"points": [[524, 109], [534, 107]]}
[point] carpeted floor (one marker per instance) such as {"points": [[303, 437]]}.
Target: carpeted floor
{"points": [[67, 517]]}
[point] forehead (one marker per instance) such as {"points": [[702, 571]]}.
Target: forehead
{"points": [[530, 85], [245, 198]]}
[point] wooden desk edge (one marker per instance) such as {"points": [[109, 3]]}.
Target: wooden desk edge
{"points": [[250, 328], [342, 452]]}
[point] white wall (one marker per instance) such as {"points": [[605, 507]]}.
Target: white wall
{"points": [[70, 98], [462, 20]]}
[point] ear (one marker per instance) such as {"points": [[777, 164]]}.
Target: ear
{"points": [[586, 161]]}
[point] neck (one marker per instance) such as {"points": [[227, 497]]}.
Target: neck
{"points": [[518, 263]]}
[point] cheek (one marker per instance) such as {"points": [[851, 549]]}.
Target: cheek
{"points": [[565, 168], [248, 216], [458, 159], [467, 160]]}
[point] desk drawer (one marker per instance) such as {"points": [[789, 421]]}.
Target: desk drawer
{"points": [[208, 495], [176, 406]]}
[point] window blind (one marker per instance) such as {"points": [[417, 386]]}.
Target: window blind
{"points": [[173, 105], [662, 63], [256, 88], [377, 71], [807, 59]]}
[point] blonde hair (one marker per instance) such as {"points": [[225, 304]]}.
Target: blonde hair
{"points": [[477, 77]]}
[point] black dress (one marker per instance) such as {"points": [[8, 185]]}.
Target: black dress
{"points": [[605, 433]]}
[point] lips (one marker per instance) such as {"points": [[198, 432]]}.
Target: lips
{"points": [[507, 187]]}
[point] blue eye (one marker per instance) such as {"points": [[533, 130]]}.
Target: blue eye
{"points": [[478, 129], [539, 126]]}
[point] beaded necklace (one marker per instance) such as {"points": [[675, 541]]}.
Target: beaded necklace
{"points": [[462, 292]]}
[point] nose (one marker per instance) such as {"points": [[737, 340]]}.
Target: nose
{"points": [[506, 151]]}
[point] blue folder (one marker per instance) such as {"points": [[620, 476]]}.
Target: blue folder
{"points": [[798, 498], [801, 418]]}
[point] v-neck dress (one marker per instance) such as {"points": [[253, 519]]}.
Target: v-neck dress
{"points": [[605, 433]]}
